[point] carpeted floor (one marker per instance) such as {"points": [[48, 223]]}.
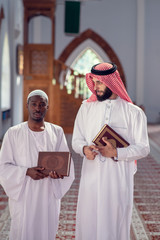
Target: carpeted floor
{"points": [[146, 210]]}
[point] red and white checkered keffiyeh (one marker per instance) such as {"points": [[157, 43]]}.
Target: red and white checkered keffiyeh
{"points": [[113, 81]]}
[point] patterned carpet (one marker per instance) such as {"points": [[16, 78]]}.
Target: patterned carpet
{"points": [[147, 200], [146, 210]]}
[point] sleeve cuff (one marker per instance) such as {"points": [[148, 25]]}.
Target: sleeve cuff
{"points": [[115, 159], [121, 154]]}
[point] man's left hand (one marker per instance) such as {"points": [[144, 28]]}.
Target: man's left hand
{"points": [[107, 151], [55, 175]]}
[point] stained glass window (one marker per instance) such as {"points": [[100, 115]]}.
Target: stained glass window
{"points": [[81, 65]]}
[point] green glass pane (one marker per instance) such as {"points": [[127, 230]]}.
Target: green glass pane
{"points": [[82, 65]]}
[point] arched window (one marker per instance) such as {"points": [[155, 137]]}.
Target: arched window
{"points": [[5, 83], [86, 60], [82, 64]]}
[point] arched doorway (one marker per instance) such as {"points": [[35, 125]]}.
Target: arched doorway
{"points": [[90, 34]]}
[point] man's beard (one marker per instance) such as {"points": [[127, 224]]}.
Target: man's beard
{"points": [[107, 94], [40, 118]]}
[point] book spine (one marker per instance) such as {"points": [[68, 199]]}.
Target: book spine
{"points": [[98, 135]]}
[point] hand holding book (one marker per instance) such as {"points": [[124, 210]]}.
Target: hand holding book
{"points": [[108, 150], [110, 135], [90, 152], [55, 175], [55, 164], [107, 141]]}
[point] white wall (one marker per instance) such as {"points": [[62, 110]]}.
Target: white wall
{"points": [[152, 60], [3, 33], [13, 25], [115, 21]]}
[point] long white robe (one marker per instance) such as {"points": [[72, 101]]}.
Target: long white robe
{"points": [[106, 188], [34, 204]]}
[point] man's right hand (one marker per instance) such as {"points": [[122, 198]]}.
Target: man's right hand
{"points": [[90, 152], [36, 173]]}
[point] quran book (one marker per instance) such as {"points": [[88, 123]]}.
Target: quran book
{"points": [[110, 135], [55, 161]]}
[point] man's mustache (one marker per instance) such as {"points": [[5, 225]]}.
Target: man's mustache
{"points": [[37, 112]]}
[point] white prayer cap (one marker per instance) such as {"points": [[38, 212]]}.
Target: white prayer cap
{"points": [[37, 92]]}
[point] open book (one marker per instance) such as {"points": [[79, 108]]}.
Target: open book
{"points": [[55, 161], [110, 135]]}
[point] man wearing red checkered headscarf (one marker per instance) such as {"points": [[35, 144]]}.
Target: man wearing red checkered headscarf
{"points": [[110, 78], [105, 198]]}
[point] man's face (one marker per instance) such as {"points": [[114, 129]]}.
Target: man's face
{"points": [[102, 92], [37, 108]]}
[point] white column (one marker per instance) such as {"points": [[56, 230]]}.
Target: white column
{"points": [[140, 52]]}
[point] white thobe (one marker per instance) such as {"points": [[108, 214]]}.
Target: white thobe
{"points": [[34, 204], [105, 198]]}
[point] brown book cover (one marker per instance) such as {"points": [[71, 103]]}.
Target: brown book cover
{"points": [[111, 136], [55, 161]]}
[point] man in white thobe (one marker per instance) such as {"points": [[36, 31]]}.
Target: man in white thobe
{"points": [[105, 198], [34, 198]]}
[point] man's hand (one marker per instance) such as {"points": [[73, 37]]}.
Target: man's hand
{"points": [[55, 175], [108, 150], [90, 152], [36, 173]]}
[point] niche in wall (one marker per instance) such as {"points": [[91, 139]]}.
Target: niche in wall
{"points": [[40, 30]]}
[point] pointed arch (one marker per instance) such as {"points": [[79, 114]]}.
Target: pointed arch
{"points": [[90, 34]]}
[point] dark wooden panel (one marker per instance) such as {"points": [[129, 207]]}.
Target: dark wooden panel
{"points": [[38, 61]]}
